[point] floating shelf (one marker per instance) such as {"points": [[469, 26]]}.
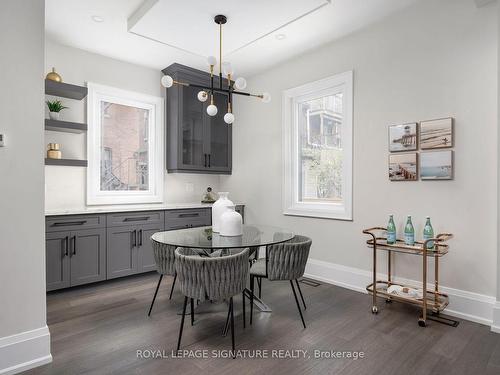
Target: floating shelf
{"points": [[65, 90], [65, 126], [66, 162]]}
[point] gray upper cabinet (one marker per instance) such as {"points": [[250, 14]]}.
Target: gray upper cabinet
{"points": [[196, 142]]}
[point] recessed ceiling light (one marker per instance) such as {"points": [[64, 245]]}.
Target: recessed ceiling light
{"points": [[97, 19], [280, 36]]}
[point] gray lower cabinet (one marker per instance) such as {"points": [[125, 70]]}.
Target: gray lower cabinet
{"points": [[87, 256], [57, 260], [82, 249], [121, 251], [75, 257], [129, 249]]}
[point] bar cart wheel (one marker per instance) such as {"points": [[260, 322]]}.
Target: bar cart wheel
{"points": [[422, 323], [374, 310]]}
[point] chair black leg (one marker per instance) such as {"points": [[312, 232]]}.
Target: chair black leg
{"points": [[226, 326], [244, 308], [173, 285], [298, 305], [182, 323], [251, 298], [300, 292], [154, 297], [232, 325], [192, 311], [259, 283]]}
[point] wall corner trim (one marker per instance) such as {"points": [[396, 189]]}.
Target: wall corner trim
{"points": [[25, 350], [466, 305]]}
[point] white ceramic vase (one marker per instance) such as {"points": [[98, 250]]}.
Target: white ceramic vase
{"points": [[54, 115], [218, 208], [231, 223]]}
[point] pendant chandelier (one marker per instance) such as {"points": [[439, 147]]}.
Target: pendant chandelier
{"points": [[232, 87]]}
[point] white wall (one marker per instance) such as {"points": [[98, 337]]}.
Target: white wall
{"points": [[435, 59], [24, 336], [65, 186]]}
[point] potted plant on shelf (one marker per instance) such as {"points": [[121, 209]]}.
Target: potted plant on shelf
{"points": [[55, 106]]}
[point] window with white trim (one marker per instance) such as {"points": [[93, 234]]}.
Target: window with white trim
{"points": [[317, 145], [124, 147]]}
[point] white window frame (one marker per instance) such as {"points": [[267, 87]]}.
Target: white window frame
{"points": [[95, 196], [340, 83]]}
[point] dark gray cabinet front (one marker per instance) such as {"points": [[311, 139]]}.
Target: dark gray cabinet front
{"points": [[121, 251], [88, 256], [57, 263], [146, 259], [196, 142]]}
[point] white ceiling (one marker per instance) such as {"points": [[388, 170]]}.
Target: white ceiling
{"points": [[157, 33]]}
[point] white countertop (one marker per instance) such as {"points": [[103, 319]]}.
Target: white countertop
{"points": [[131, 208]]}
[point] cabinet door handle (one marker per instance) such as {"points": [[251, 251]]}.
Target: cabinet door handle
{"points": [[205, 160], [209, 162], [140, 237], [143, 218], [68, 223], [66, 245], [189, 215], [74, 245], [134, 238]]}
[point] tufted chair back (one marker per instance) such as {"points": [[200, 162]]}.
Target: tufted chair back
{"points": [[287, 260], [213, 278]]}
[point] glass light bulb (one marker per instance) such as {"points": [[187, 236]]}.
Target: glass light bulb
{"points": [[211, 60], [202, 96], [229, 118], [167, 81], [212, 110], [240, 83], [266, 97], [227, 68]]}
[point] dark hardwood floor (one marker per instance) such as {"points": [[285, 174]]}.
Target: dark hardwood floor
{"points": [[98, 329]]}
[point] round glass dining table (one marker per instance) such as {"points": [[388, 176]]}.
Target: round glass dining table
{"points": [[204, 238], [253, 237]]}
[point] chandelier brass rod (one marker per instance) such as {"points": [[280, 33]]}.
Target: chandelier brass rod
{"points": [[222, 90]]}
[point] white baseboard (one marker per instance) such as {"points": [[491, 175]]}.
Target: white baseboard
{"points": [[495, 326], [471, 306], [25, 350]]}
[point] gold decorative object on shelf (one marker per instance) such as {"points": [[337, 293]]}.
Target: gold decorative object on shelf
{"points": [[53, 151], [209, 197], [53, 76], [433, 301]]}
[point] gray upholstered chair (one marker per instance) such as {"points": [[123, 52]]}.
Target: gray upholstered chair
{"points": [[211, 278], [284, 261], [165, 265]]}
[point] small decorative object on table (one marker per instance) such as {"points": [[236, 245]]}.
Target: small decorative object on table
{"points": [[429, 300], [53, 152], [231, 223], [55, 107], [53, 76], [218, 208], [209, 197]]}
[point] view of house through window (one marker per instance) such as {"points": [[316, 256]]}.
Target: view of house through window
{"points": [[320, 149], [124, 147]]}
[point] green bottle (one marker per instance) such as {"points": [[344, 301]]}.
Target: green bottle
{"points": [[391, 231], [429, 233], [409, 232]]}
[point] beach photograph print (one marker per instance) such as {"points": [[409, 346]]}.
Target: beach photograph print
{"points": [[436, 165], [436, 134], [403, 137], [403, 167]]}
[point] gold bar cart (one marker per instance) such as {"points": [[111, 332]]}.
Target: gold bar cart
{"points": [[432, 300]]}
